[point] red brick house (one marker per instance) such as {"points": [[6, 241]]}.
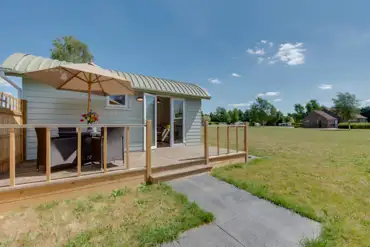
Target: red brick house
{"points": [[319, 119]]}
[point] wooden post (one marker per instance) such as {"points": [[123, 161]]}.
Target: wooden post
{"points": [[12, 157], [236, 138], [218, 140], [148, 150], [228, 138], [48, 155], [79, 152], [105, 149], [127, 147], [24, 121], [206, 147], [246, 141]]}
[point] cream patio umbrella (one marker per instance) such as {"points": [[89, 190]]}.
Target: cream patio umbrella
{"points": [[83, 77]]}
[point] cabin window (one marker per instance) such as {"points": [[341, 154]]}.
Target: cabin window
{"points": [[117, 101]]}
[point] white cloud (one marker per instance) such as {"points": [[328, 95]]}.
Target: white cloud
{"points": [[264, 41], [291, 54], [272, 93], [325, 86], [241, 104], [214, 81], [268, 94], [256, 51], [235, 75], [260, 60], [271, 44], [272, 62], [367, 100], [277, 100]]}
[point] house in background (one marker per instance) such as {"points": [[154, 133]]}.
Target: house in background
{"points": [[171, 105], [359, 119], [326, 119], [332, 113], [319, 119]]}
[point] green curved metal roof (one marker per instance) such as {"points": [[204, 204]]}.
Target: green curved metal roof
{"points": [[19, 63]]}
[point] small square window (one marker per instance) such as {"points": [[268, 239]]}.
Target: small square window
{"points": [[117, 101]]}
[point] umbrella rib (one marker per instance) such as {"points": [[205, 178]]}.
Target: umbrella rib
{"points": [[85, 77], [105, 94], [73, 76], [107, 80], [76, 75], [96, 79]]}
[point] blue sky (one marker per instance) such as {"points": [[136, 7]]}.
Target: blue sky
{"points": [[286, 51]]}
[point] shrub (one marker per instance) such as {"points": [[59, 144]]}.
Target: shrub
{"points": [[297, 125], [354, 126]]}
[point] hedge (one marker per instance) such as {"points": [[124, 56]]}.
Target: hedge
{"points": [[354, 126], [297, 125]]}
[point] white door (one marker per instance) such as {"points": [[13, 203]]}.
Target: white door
{"points": [[150, 113], [177, 121]]}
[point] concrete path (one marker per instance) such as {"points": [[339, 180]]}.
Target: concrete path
{"points": [[241, 218]]}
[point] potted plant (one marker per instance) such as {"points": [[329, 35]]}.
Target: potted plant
{"points": [[90, 118]]}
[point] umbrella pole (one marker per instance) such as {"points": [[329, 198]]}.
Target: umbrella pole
{"points": [[89, 94], [89, 97]]}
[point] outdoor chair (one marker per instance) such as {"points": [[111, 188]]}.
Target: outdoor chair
{"points": [[63, 149], [67, 132], [115, 145]]}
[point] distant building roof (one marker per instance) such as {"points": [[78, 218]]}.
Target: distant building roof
{"points": [[19, 63], [324, 114], [360, 116]]}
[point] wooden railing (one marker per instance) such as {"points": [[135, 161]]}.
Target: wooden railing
{"points": [[12, 161], [228, 142]]}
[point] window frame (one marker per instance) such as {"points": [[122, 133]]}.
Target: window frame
{"points": [[109, 106]]}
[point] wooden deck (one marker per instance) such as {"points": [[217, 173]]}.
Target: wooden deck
{"points": [[26, 172]]}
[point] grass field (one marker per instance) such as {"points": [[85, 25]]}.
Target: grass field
{"points": [[145, 216], [321, 174]]}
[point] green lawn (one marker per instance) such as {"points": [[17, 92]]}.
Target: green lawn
{"points": [[321, 174], [146, 216]]}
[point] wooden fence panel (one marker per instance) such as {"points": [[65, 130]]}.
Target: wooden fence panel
{"points": [[10, 113]]}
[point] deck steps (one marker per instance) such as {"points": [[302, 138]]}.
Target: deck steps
{"points": [[178, 173], [183, 164]]}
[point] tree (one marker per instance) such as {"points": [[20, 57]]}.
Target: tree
{"points": [[312, 105], [347, 106], [364, 109], [261, 111], [234, 115], [246, 116], [289, 119], [279, 117], [299, 112], [221, 115], [241, 115], [70, 49], [365, 112], [213, 117], [205, 117]]}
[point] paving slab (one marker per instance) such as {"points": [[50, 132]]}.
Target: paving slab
{"points": [[241, 218]]}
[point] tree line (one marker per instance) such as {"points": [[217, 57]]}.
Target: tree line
{"points": [[345, 105]]}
